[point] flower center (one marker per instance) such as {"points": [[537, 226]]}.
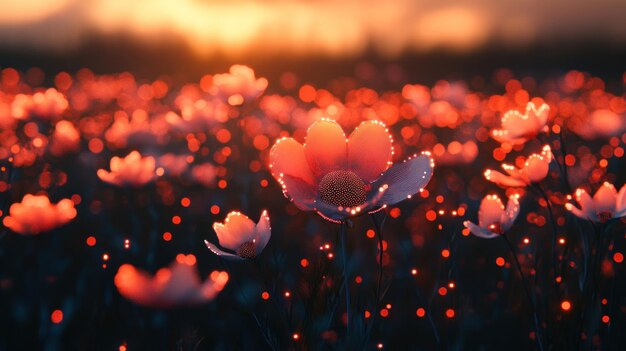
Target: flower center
{"points": [[247, 250], [605, 216], [496, 228], [342, 188]]}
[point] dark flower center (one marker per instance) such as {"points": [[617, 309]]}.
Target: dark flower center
{"points": [[605, 216], [342, 188], [247, 250], [496, 228]]}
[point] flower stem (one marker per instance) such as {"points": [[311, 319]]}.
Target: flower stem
{"points": [[344, 255], [526, 291]]}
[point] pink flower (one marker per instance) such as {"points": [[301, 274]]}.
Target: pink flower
{"points": [[239, 85], [238, 233], [204, 174], [65, 139], [176, 285], [339, 177], [535, 170], [493, 218], [132, 170], [35, 214], [518, 128], [607, 203]]}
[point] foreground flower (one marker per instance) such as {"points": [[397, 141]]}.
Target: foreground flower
{"points": [[132, 170], [517, 128], [65, 139], [176, 285], [607, 203], [35, 214], [239, 234], [339, 177], [535, 170], [239, 84], [493, 218]]}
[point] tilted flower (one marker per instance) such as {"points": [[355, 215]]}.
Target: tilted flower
{"points": [[176, 285], [241, 235], [535, 170], [35, 214], [132, 170], [238, 85], [607, 203], [339, 177], [493, 218], [517, 128]]}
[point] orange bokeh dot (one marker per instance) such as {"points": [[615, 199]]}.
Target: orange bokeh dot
{"points": [[265, 295], [431, 215], [420, 312], [91, 241], [185, 202], [367, 314], [450, 313], [445, 253], [370, 233], [95, 146], [618, 257], [443, 291], [566, 305], [304, 262], [215, 209], [176, 220], [384, 312], [307, 93], [606, 319], [57, 316], [167, 236], [222, 184], [500, 261]]}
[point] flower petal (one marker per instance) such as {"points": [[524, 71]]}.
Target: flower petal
{"points": [[479, 231], [325, 147], [287, 157], [605, 198], [236, 230], [511, 212], [300, 192], [405, 179], [490, 211], [503, 180], [337, 213], [263, 232], [370, 150], [620, 205], [219, 252]]}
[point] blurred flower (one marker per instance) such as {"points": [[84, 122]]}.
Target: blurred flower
{"points": [[535, 170], [517, 128], [238, 85], [204, 174], [493, 218], [46, 105], [174, 165], [239, 234], [35, 214], [65, 139], [602, 123], [455, 153], [339, 177], [607, 203], [176, 285], [132, 170]]}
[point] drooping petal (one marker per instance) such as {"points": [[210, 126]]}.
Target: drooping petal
{"points": [[405, 179], [263, 232], [219, 252], [511, 212], [605, 198], [503, 180], [578, 212], [479, 231], [287, 157], [300, 192], [490, 211], [620, 205], [236, 230], [325, 147], [370, 150]]}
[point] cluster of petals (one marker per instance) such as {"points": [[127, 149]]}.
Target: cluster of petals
{"points": [[606, 203], [535, 169], [239, 84], [517, 128], [340, 177], [176, 285], [35, 214], [49, 104], [493, 218], [240, 235], [132, 170]]}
